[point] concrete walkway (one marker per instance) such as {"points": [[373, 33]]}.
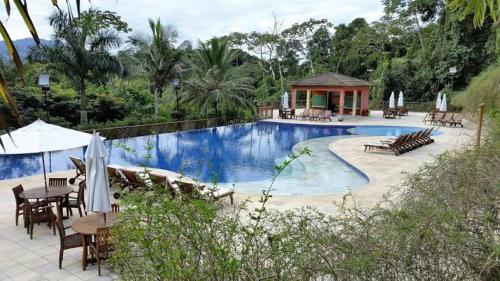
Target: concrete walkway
{"points": [[37, 259]]}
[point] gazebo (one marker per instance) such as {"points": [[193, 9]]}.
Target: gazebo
{"points": [[337, 92]]}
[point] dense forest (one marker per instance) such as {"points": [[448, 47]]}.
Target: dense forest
{"points": [[104, 73]]}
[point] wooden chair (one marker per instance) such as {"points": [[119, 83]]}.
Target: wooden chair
{"points": [[66, 241], [19, 203], [80, 169], [133, 179], [100, 249], [115, 208], [38, 214], [58, 182], [78, 201], [457, 120]]}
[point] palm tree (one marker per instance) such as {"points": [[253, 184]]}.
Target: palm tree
{"points": [[481, 9], [81, 52], [158, 57], [215, 81]]}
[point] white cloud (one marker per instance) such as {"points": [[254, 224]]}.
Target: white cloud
{"points": [[198, 19]]}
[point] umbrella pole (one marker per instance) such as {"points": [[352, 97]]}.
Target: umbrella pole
{"points": [[44, 172]]}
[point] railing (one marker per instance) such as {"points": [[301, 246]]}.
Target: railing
{"points": [[412, 106], [167, 127]]}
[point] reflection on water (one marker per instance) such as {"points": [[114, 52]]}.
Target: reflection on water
{"points": [[238, 153]]}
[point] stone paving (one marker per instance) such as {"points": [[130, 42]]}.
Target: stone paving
{"points": [[37, 259]]}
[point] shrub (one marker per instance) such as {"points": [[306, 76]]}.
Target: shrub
{"points": [[441, 224]]}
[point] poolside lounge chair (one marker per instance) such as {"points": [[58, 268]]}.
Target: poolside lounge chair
{"points": [[448, 117], [429, 117], [326, 116], [133, 179], [194, 189], [438, 117], [394, 146], [305, 114], [457, 120], [80, 169], [315, 114]]}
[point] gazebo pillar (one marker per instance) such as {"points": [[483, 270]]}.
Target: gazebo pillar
{"points": [[294, 98], [341, 102], [364, 99], [308, 99], [354, 102]]}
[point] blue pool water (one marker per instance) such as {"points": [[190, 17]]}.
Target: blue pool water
{"points": [[230, 154]]}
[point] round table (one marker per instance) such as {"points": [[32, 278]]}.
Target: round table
{"points": [[40, 193], [87, 226]]}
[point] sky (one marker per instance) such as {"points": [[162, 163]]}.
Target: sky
{"points": [[198, 19]]}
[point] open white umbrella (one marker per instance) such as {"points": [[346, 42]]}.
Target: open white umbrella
{"points": [[400, 99], [98, 200], [443, 107], [284, 101], [391, 101], [438, 101], [41, 137]]}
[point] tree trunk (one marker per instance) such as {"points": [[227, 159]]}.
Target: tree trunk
{"points": [[83, 102], [157, 102], [417, 22]]}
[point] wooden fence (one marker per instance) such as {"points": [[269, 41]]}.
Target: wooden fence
{"points": [[167, 127]]}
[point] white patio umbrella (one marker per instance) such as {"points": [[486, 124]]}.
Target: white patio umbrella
{"points": [[41, 137], [284, 100], [438, 101], [400, 99], [391, 101], [97, 177], [443, 107]]}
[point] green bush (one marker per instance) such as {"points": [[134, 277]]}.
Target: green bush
{"points": [[441, 224]]}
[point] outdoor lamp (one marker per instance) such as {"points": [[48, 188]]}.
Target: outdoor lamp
{"points": [[176, 83], [44, 83]]}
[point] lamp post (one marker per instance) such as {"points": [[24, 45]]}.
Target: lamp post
{"points": [[176, 83], [44, 83], [453, 71]]}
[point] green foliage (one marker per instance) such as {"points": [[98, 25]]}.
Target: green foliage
{"points": [[442, 225], [485, 88]]}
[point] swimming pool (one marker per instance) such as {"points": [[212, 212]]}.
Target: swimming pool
{"points": [[243, 155]]}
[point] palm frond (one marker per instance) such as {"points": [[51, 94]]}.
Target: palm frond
{"points": [[23, 10], [14, 56]]}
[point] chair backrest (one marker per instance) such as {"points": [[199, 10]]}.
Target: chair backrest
{"points": [[81, 192], [101, 239], [17, 190], [328, 113], [306, 111], [78, 164], [292, 111], [458, 117], [439, 115], [158, 179], [115, 208], [60, 228], [58, 181], [448, 116], [131, 176]]}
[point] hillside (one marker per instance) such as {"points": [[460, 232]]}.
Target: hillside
{"points": [[22, 46]]}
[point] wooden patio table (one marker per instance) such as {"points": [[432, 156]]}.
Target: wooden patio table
{"points": [[87, 226], [40, 193]]}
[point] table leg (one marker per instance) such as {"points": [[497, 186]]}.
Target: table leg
{"points": [[85, 252]]}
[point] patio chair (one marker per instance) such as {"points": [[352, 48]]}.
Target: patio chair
{"points": [[100, 249], [327, 115], [194, 190], [394, 146], [429, 117], [80, 169], [66, 241], [165, 181], [438, 117], [457, 120], [38, 214], [292, 114], [315, 114], [79, 200], [133, 179], [448, 118], [304, 114], [115, 208], [19, 203]]}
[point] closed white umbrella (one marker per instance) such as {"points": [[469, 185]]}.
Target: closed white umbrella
{"points": [[391, 101], [443, 107], [400, 99], [438, 101], [98, 200], [41, 137], [284, 101]]}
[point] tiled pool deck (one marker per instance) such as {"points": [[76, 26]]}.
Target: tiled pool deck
{"points": [[37, 259]]}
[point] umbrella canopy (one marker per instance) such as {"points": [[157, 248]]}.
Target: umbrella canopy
{"points": [[438, 101], [284, 100], [400, 99], [391, 101], [97, 176], [443, 106], [40, 137]]}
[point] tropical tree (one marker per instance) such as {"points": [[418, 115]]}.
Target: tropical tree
{"points": [[216, 83], [158, 57], [481, 9], [81, 50]]}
